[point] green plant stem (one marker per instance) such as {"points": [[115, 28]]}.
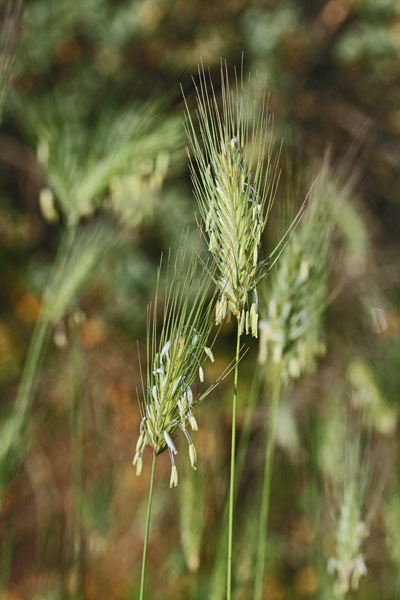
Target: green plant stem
{"points": [[37, 345], [217, 590], [146, 536], [246, 429], [77, 460], [31, 366], [232, 478], [266, 490]]}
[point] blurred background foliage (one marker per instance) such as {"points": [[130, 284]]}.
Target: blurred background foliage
{"points": [[92, 129]]}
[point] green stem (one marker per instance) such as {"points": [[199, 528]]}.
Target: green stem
{"points": [[12, 454], [37, 345], [220, 556], [31, 366], [77, 459], [146, 537], [246, 429], [266, 491], [232, 479]]}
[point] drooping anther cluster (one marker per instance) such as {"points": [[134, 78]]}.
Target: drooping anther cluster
{"points": [[169, 404]]}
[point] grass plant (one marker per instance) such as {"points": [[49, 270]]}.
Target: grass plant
{"points": [[352, 496], [101, 170], [79, 164], [234, 174], [79, 256], [83, 161], [291, 327], [175, 357], [77, 458]]}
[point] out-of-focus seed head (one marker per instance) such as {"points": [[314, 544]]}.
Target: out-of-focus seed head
{"points": [[296, 294]]}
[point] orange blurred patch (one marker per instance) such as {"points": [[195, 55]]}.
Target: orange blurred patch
{"points": [[27, 308], [5, 340], [92, 590], [334, 13], [68, 51], [394, 33], [119, 397], [303, 530], [272, 589], [149, 14], [207, 443], [393, 319], [306, 582], [118, 393], [93, 332]]}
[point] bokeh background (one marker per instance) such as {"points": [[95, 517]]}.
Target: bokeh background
{"points": [[332, 71]]}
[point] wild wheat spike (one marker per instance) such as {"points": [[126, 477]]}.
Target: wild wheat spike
{"points": [[174, 361], [234, 177]]}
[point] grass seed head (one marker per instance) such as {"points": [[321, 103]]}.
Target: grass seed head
{"points": [[352, 494], [234, 176], [121, 155], [175, 360], [291, 325], [348, 564]]}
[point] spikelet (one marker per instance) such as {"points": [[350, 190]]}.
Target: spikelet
{"points": [[144, 180], [348, 564], [291, 324], [234, 177], [347, 466], [84, 162], [174, 362]]}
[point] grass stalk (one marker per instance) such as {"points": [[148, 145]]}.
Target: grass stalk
{"points": [[31, 366], [146, 536], [77, 461], [12, 455], [37, 344], [220, 557], [246, 429], [232, 476], [266, 490]]}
